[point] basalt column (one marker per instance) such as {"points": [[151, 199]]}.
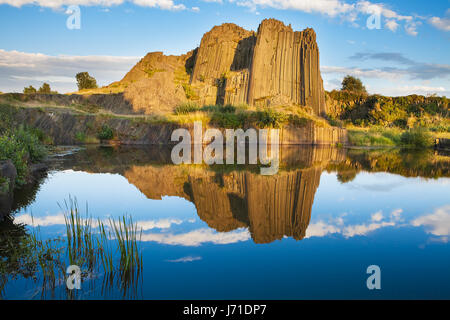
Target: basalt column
{"points": [[285, 68]]}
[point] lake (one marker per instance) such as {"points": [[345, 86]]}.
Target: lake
{"points": [[227, 232]]}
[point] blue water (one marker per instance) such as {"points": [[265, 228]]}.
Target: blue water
{"points": [[401, 224]]}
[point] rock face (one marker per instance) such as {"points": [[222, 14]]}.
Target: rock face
{"points": [[275, 66], [285, 68], [8, 175]]}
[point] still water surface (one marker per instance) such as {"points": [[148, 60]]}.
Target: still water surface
{"points": [[309, 232]]}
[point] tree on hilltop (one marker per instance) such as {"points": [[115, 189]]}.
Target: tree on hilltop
{"points": [[29, 90], [45, 88], [85, 81]]}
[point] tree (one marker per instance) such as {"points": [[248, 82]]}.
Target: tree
{"points": [[29, 90], [45, 88], [85, 81], [353, 84]]}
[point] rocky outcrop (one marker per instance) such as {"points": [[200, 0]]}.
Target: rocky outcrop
{"points": [[285, 68], [275, 66], [8, 176]]}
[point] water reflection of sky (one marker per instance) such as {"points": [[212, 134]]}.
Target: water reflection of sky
{"points": [[401, 224]]}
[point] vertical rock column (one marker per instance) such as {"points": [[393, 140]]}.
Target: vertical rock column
{"points": [[285, 68]]}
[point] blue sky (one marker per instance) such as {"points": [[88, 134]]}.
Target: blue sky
{"points": [[408, 54]]}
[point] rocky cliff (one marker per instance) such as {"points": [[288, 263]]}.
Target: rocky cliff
{"points": [[275, 66]]}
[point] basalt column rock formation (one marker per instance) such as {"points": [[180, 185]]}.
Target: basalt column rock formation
{"points": [[272, 67], [285, 68]]}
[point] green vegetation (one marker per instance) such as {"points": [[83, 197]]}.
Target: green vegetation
{"points": [[85, 81], [230, 116], [29, 90], [45, 88], [105, 133], [352, 84], [151, 72], [22, 147], [110, 249], [376, 136], [378, 120], [417, 138], [190, 93]]}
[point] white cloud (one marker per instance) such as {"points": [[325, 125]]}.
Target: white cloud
{"points": [[20, 69], [186, 259], [437, 223], [321, 228], [40, 221], [54, 4], [58, 219], [440, 23], [377, 216], [392, 25], [198, 237], [327, 7], [411, 28], [344, 9], [358, 72]]}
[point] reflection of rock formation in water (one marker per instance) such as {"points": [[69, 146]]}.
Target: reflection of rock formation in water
{"points": [[271, 206]]}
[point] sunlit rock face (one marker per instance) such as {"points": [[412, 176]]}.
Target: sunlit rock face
{"points": [[275, 66], [285, 68]]}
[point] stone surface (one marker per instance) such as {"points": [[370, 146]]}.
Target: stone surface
{"points": [[285, 68], [8, 174], [275, 66]]}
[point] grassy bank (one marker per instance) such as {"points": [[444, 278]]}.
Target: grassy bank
{"points": [[417, 137]]}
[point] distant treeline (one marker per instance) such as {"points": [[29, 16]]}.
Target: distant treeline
{"points": [[405, 112]]}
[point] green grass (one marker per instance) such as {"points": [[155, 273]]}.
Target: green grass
{"points": [[105, 133], [416, 138], [374, 137], [379, 136]]}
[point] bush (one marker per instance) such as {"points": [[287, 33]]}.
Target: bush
{"points": [[417, 137], [187, 108], [106, 133], [21, 147], [270, 119]]}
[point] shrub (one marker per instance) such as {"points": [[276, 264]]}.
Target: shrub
{"points": [[11, 148], [80, 137], [186, 108], [106, 133], [417, 137], [270, 119]]}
